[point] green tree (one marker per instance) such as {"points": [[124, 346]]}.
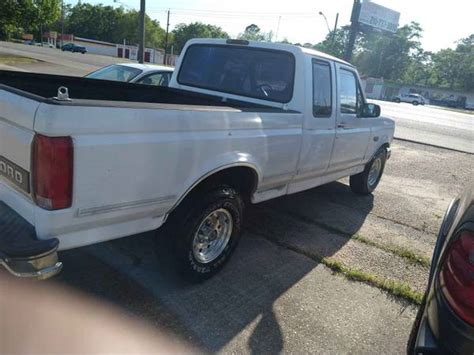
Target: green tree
{"points": [[106, 23], [26, 15], [184, 32], [10, 16], [389, 55], [46, 11], [103, 23], [447, 67], [465, 49], [253, 33], [420, 69], [128, 30], [335, 42]]}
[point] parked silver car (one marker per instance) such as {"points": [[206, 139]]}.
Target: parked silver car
{"points": [[415, 99]]}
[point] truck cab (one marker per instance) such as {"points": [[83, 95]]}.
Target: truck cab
{"points": [[339, 129]]}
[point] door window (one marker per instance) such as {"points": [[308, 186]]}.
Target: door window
{"points": [[322, 89], [348, 92], [115, 72], [158, 79]]}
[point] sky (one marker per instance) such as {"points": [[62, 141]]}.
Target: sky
{"points": [[443, 22]]}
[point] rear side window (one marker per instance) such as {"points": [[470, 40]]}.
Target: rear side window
{"points": [[252, 72], [322, 89]]}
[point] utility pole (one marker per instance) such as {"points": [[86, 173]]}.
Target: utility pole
{"points": [[62, 23], [166, 37], [353, 30], [278, 29], [335, 28], [141, 48]]}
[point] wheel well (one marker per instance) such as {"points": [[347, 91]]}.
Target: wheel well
{"points": [[243, 179]]}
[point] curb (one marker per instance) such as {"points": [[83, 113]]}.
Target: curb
{"points": [[432, 145]]}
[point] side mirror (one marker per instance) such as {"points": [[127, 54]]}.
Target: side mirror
{"points": [[370, 110]]}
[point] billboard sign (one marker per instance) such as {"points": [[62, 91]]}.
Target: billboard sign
{"points": [[378, 16]]}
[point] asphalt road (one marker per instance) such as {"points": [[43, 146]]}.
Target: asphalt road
{"points": [[431, 125], [54, 61]]}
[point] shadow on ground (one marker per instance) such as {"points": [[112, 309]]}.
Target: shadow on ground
{"points": [[139, 277]]}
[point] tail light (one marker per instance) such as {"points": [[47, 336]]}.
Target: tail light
{"points": [[52, 172], [457, 276]]}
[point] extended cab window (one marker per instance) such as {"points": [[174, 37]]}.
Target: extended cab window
{"points": [[252, 72], [348, 91], [322, 95]]}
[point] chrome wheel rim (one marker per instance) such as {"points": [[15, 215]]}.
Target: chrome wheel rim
{"points": [[374, 171], [212, 236]]}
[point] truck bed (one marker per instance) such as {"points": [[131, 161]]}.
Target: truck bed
{"points": [[44, 87]]}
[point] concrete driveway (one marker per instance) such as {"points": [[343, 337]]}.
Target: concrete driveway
{"points": [[290, 287]]}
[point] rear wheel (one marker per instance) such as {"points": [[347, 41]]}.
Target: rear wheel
{"points": [[397, 100], [415, 103], [365, 182], [206, 232]]}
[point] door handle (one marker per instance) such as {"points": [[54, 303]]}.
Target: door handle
{"points": [[343, 125]]}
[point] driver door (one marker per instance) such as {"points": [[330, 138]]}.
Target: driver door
{"points": [[352, 132]]}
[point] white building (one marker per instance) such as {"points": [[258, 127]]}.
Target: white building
{"points": [[126, 51]]}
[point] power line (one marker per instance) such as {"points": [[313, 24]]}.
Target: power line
{"points": [[235, 13]]}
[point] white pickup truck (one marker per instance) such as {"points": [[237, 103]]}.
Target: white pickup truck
{"points": [[83, 161]]}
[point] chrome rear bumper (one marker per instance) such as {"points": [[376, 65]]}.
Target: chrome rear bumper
{"points": [[21, 252], [38, 267]]}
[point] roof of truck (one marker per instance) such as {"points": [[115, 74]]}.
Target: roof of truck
{"points": [[269, 45], [324, 55]]}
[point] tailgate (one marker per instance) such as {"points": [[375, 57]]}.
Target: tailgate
{"points": [[17, 115]]}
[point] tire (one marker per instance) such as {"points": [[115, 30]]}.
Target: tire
{"points": [[415, 103], [199, 259], [398, 101], [365, 182]]}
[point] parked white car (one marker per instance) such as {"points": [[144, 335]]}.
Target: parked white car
{"points": [[148, 74], [415, 99], [242, 122]]}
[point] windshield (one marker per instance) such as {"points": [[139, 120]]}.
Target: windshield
{"points": [[252, 72], [116, 73]]}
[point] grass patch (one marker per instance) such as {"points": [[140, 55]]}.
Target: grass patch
{"points": [[15, 59], [396, 250], [395, 288], [400, 251]]}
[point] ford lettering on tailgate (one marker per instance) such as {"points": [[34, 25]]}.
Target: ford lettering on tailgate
{"points": [[15, 174]]}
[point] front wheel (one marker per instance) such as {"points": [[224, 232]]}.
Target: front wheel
{"points": [[398, 101], [365, 182], [208, 232]]}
